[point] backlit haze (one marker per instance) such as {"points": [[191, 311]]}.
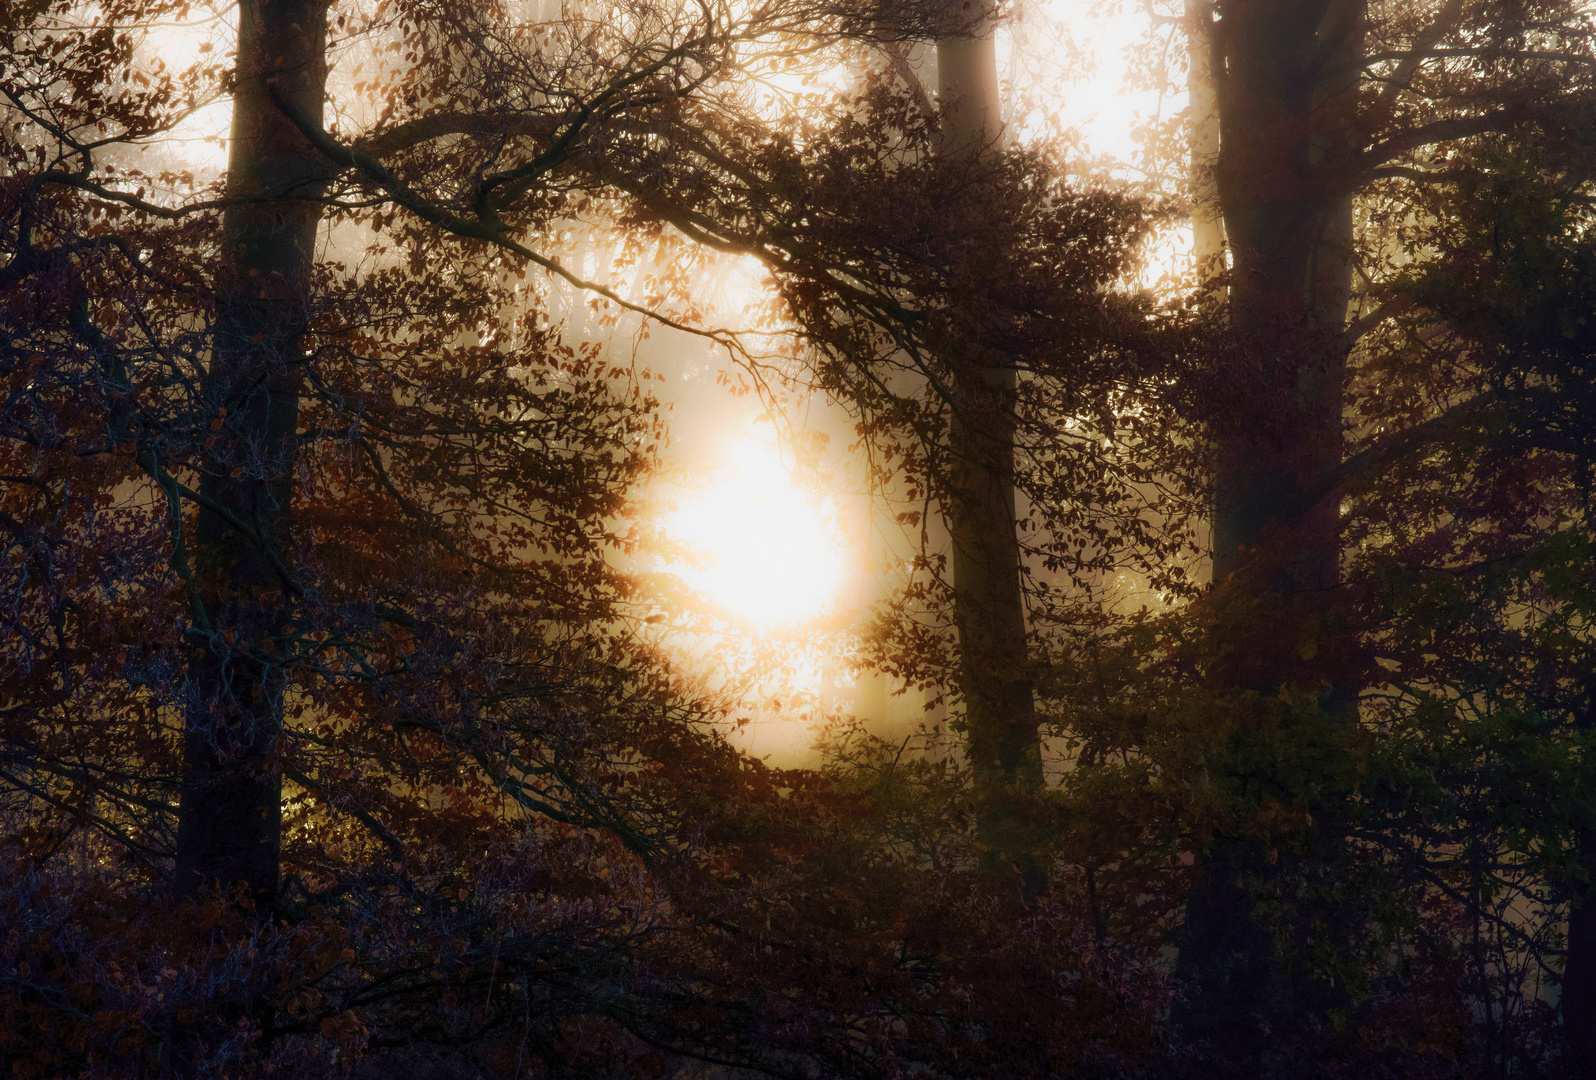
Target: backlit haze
{"points": [[769, 552], [780, 584], [761, 582]]}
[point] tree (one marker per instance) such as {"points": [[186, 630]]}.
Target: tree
{"points": [[1284, 78], [1491, 559], [1324, 108], [311, 518], [1001, 728], [984, 355], [195, 377], [230, 802], [1035, 380]]}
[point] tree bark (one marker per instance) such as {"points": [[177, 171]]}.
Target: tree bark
{"points": [[1577, 1000], [1000, 722], [1207, 220], [1285, 73], [229, 819]]}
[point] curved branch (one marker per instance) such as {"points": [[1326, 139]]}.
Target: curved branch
{"points": [[441, 125], [1461, 127], [485, 228], [1423, 49]]}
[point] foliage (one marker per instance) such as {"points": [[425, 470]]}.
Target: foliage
{"points": [[507, 837], [511, 838]]}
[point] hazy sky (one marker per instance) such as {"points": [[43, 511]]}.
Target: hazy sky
{"points": [[778, 546]]}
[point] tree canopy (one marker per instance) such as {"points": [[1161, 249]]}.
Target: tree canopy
{"points": [[333, 736]]}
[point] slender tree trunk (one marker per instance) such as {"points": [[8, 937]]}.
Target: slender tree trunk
{"points": [[230, 822], [1207, 219], [1578, 1002], [1285, 74], [1001, 728], [1000, 720]]}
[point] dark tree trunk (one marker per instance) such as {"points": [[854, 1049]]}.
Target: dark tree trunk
{"points": [[1579, 981], [1001, 730], [1578, 998], [230, 822], [1286, 74]]}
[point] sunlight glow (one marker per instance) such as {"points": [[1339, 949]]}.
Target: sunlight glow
{"points": [[205, 36], [762, 549]]}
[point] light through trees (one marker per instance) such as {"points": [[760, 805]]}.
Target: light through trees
{"points": [[762, 549]]}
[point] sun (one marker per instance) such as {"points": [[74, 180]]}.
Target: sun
{"points": [[764, 550]]}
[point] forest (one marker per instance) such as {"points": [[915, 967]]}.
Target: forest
{"points": [[1219, 695]]}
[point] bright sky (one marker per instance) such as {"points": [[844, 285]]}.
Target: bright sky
{"points": [[199, 143], [770, 554], [768, 551]]}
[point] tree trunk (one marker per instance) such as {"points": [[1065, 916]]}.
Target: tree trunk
{"points": [[230, 821], [1285, 76], [1207, 220], [1000, 719], [1001, 730], [1577, 1001]]}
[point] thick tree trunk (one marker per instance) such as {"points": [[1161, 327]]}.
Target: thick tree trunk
{"points": [[1000, 719], [229, 825], [1285, 73], [1578, 1001]]}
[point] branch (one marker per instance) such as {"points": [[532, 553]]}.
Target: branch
{"points": [[167, 213], [442, 125], [179, 559], [487, 229], [175, 488], [705, 231], [899, 60], [1419, 176], [1366, 463], [1517, 54], [1368, 321], [97, 821], [1406, 142], [395, 847], [1402, 77]]}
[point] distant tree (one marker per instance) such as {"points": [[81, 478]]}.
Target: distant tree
{"points": [[1012, 383]]}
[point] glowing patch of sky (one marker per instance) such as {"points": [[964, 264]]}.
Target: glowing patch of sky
{"points": [[1091, 42], [768, 552], [1086, 94], [199, 141]]}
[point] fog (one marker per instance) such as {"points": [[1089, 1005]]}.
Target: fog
{"points": [[765, 543]]}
